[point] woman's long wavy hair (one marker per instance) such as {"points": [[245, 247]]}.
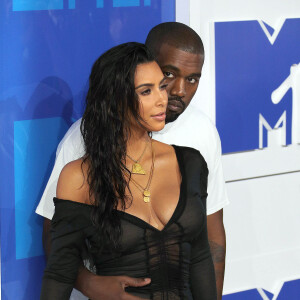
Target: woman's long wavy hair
{"points": [[111, 103]]}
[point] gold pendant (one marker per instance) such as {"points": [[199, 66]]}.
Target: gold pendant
{"points": [[146, 193], [146, 196], [137, 169]]}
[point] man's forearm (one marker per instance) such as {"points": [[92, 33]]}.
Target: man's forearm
{"points": [[218, 252], [84, 281], [217, 243]]}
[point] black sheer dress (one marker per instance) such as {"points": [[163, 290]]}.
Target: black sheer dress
{"points": [[176, 258]]}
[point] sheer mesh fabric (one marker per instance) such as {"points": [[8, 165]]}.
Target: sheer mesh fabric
{"points": [[177, 258]]}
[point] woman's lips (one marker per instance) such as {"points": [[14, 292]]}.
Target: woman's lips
{"points": [[160, 117]]}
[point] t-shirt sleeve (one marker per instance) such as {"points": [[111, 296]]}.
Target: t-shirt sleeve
{"points": [[69, 149], [217, 195], [68, 233]]}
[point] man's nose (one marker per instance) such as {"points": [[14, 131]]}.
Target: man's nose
{"points": [[178, 88]]}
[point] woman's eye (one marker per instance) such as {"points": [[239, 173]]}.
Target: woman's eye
{"points": [[146, 92], [163, 87], [168, 75]]}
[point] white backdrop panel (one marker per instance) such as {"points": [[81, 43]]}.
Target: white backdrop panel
{"points": [[262, 225]]}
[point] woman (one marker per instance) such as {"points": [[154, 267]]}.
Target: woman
{"points": [[138, 204]]}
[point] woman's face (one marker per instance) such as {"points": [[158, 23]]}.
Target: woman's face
{"points": [[150, 86]]}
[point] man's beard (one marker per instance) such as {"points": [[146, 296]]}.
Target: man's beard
{"points": [[172, 115]]}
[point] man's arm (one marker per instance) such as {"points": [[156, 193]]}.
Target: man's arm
{"points": [[217, 243]]}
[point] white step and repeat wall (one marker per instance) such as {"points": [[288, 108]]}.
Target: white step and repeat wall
{"points": [[251, 88]]}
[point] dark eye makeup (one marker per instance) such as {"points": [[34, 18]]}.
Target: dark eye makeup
{"points": [[146, 92]]}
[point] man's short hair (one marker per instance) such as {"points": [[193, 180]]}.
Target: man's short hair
{"points": [[174, 34]]}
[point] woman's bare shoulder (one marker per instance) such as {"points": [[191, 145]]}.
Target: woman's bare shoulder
{"points": [[162, 149], [72, 183]]}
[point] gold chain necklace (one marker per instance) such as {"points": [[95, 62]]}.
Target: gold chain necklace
{"points": [[137, 167], [146, 190]]}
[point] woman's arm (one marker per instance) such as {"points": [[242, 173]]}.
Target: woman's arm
{"points": [[202, 274], [64, 259], [203, 282], [65, 268], [67, 235]]}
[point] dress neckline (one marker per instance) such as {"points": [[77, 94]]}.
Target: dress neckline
{"points": [[137, 220]]}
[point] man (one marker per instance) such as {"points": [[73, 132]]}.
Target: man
{"points": [[180, 54]]}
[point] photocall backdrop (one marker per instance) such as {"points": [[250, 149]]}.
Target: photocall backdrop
{"points": [[47, 50], [251, 88], [258, 124]]}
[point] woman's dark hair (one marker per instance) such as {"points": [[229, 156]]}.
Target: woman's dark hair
{"points": [[111, 103]]}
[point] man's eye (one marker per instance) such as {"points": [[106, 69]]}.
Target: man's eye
{"points": [[192, 80], [146, 92], [168, 75]]}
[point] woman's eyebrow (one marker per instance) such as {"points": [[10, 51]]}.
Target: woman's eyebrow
{"points": [[150, 84], [144, 84]]}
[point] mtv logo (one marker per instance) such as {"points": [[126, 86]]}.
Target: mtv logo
{"points": [[277, 136], [257, 79], [249, 71]]}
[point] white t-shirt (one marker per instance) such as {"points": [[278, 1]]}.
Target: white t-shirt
{"points": [[192, 129]]}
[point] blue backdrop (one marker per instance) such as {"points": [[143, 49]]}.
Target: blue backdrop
{"points": [[47, 50]]}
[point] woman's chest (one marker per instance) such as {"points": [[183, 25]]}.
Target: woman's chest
{"points": [[137, 235]]}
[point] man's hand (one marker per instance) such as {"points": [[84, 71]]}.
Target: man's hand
{"points": [[217, 243], [107, 287]]}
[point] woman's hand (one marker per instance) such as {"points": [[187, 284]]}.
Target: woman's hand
{"points": [[107, 287]]}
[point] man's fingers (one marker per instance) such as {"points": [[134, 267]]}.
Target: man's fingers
{"points": [[136, 282]]}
